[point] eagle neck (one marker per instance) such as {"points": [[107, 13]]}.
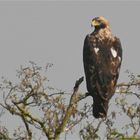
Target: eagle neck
{"points": [[104, 33]]}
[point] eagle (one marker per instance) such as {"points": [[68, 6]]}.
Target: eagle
{"points": [[102, 57]]}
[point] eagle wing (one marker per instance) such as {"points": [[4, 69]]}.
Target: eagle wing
{"points": [[102, 61]]}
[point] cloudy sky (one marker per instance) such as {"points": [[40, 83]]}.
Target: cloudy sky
{"points": [[54, 32]]}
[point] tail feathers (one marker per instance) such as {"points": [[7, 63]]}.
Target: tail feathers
{"points": [[100, 109]]}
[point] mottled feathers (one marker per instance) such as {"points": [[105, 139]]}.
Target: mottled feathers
{"points": [[102, 56]]}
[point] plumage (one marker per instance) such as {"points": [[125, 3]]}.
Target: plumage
{"points": [[102, 56]]}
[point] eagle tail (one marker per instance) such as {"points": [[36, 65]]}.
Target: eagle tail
{"points": [[100, 108]]}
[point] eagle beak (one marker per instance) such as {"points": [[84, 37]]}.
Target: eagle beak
{"points": [[94, 23]]}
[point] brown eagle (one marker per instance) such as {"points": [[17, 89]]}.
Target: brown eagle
{"points": [[102, 57]]}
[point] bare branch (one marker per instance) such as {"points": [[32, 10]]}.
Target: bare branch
{"points": [[134, 83], [72, 103]]}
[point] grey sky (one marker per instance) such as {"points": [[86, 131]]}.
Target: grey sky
{"points": [[54, 32]]}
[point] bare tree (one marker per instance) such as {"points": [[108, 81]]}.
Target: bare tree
{"points": [[52, 112]]}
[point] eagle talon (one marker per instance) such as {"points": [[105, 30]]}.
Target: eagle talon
{"points": [[101, 114]]}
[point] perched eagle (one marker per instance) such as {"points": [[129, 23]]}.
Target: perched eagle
{"points": [[102, 57]]}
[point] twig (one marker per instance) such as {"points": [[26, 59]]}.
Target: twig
{"points": [[134, 83], [27, 128]]}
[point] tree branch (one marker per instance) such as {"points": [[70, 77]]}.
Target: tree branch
{"points": [[29, 132], [134, 83], [73, 102]]}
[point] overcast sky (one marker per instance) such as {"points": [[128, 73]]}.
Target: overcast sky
{"points": [[54, 32]]}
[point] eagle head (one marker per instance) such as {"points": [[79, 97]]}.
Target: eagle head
{"points": [[100, 22]]}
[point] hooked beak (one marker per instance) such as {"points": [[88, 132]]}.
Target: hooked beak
{"points": [[94, 23]]}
